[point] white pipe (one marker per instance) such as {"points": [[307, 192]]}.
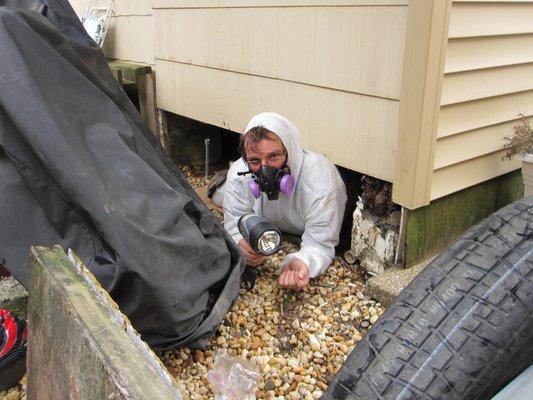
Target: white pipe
{"points": [[400, 247], [207, 158]]}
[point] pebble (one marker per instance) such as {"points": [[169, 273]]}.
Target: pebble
{"points": [[203, 390], [314, 343], [269, 385], [199, 356], [292, 362]]}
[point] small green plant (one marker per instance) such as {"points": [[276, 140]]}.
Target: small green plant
{"points": [[521, 141]]}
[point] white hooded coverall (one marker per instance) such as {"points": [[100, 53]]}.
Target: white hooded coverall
{"points": [[314, 210]]}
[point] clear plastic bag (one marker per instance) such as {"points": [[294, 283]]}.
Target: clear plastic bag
{"points": [[233, 378]]}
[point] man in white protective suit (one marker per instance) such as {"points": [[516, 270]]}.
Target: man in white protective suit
{"points": [[309, 197]]}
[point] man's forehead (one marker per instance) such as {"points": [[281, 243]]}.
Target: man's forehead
{"points": [[272, 144]]}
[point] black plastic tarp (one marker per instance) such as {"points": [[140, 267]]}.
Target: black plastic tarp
{"points": [[79, 168]]}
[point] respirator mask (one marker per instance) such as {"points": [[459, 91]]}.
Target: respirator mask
{"points": [[271, 181]]}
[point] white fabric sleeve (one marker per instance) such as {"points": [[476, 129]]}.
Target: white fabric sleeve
{"points": [[321, 234], [237, 202]]}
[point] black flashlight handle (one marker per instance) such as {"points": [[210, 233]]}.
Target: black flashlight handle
{"points": [[252, 235]]}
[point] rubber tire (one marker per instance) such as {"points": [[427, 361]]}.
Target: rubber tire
{"points": [[461, 329]]}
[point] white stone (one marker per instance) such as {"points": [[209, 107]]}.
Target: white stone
{"points": [[314, 343]]}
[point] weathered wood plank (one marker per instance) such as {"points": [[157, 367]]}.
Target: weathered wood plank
{"points": [[81, 346]]}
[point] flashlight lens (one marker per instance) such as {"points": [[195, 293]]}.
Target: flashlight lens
{"points": [[269, 242]]}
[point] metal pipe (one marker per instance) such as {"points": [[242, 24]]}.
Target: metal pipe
{"points": [[349, 257], [206, 141]]}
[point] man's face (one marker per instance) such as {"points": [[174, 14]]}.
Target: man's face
{"points": [[269, 152]]}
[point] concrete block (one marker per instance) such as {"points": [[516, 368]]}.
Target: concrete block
{"points": [[13, 297], [388, 285], [81, 346]]}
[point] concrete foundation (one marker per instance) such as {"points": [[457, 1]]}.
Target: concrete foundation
{"points": [[81, 346], [432, 228], [374, 239], [388, 285]]}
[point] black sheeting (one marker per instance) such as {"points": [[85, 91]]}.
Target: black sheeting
{"points": [[79, 168]]}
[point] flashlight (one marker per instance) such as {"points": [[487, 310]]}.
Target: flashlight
{"points": [[261, 234]]}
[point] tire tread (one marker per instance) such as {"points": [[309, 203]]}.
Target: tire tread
{"points": [[476, 301]]}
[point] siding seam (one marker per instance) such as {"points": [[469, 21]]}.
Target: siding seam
{"points": [[452, 73], [463, 102], [467, 161], [279, 6], [277, 79]]}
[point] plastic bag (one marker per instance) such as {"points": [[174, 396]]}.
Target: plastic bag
{"points": [[233, 378]]}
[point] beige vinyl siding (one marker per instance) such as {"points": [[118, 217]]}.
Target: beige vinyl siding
{"points": [[334, 68], [468, 145], [339, 121], [130, 31], [265, 42], [474, 19], [130, 38], [79, 6], [453, 178], [464, 54], [488, 81], [472, 85], [462, 117]]}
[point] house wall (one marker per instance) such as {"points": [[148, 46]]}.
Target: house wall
{"points": [[332, 67], [130, 32], [488, 81]]}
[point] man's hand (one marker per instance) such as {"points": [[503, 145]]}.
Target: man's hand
{"points": [[294, 275], [252, 258]]}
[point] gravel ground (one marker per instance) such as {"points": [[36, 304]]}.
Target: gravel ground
{"points": [[299, 339]]}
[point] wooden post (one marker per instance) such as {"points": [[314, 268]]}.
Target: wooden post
{"points": [[144, 79], [147, 105]]}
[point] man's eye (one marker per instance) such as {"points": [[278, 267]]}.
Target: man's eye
{"points": [[254, 162]]}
